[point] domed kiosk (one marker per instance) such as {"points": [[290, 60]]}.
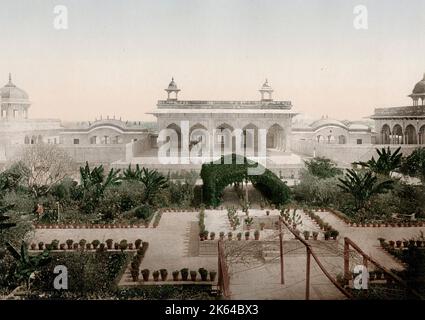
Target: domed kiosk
{"points": [[14, 102]]}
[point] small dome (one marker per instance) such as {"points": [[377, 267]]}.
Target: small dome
{"points": [[419, 87], [172, 85], [266, 86], [10, 91]]}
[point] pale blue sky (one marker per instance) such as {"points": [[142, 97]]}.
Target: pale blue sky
{"points": [[118, 56]]}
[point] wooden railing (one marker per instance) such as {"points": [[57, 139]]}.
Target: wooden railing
{"points": [[223, 272], [347, 275], [310, 253]]}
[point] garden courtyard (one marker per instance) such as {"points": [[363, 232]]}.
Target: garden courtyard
{"points": [[141, 234]]}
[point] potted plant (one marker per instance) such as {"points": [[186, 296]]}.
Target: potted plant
{"points": [[262, 225], [203, 273], [75, 246], [327, 235], [267, 212], [130, 246], [239, 236], [419, 243], [247, 235], [82, 243], [137, 243], [334, 234], [398, 243], [221, 235], [213, 274], [55, 244], [256, 234], [155, 275], [193, 274], [391, 243], [95, 244], [212, 235], [405, 244], [248, 222], [123, 245], [62, 246], [102, 247], [88, 246], [230, 235], [164, 274], [185, 273], [145, 274], [69, 243], [33, 246], [315, 235], [135, 274], [176, 275], [40, 245], [116, 246], [306, 234], [109, 243]]}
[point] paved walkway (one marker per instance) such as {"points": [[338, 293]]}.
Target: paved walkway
{"points": [[367, 237]]}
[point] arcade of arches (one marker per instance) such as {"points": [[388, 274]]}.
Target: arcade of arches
{"points": [[225, 138], [398, 134]]}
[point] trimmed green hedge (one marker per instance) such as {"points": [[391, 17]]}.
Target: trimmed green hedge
{"points": [[217, 175]]}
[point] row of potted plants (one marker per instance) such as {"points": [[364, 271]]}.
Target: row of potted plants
{"points": [[388, 224], [400, 244], [84, 245], [222, 235], [90, 226], [137, 260], [328, 231], [182, 275]]}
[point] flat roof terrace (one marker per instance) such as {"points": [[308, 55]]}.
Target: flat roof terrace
{"points": [[215, 104]]}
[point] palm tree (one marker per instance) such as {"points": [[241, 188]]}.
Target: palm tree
{"points": [[153, 182], [362, 186], [386, 163], [130, 174], [27, 264], [94, 183]]}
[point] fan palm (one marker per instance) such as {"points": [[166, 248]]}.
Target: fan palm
{"points": [[387, 161], [362, 186]]}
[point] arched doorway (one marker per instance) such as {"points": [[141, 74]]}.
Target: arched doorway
{"points": [[275, 137], [250, 140], [175, 142], [320, 139], [385, 134], [411, 134], [331, 139], [422, 135], [199, 140], [397, 137], [224, 140]]}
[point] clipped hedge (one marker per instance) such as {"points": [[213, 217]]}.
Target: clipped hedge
{"points": [[217, 175]]}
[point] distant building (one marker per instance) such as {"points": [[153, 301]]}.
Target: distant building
{"points": [[219, 121], [332, 131], [403, 125]]}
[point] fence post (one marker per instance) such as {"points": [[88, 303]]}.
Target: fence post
{"points": [[307, 282], [346, 260], [220, 272], [282, 277]]}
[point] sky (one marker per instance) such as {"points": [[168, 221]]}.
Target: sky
{"points": [[117, 57]]}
